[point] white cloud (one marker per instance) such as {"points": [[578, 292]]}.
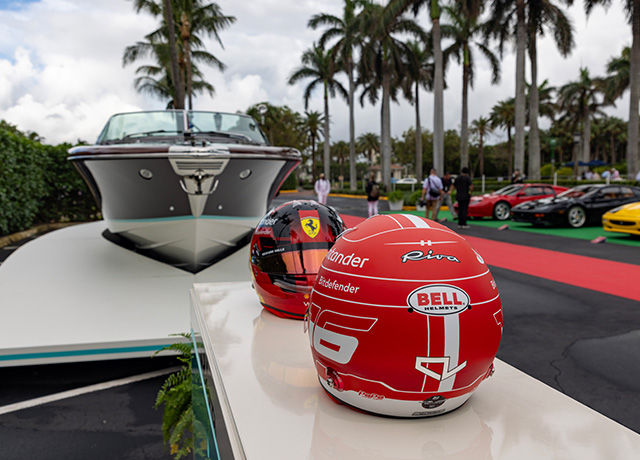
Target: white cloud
{"points": [[61, 71]]}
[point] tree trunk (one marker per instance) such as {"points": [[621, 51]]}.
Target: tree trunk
{"points": [[418, 136], [327, 139], [178, 87], [534, 103], [520, 85], [385, 130], [314, 172], [464, 127], [481, 156], [586, 137], [438, 90], [613, 149], [509, 152], [634, 90], [353, 179], [185, 30]]}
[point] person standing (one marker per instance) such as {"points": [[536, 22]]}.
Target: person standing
{"points": [[322, 188], [446, 195], [464, 186], [373, 194], [431, 191], [516, 178]]}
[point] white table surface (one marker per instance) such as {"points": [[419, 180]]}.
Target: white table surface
{"points": [[281, 412], [71, 295]]}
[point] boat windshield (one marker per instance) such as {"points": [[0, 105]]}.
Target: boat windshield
{"points": [[169, 126]]}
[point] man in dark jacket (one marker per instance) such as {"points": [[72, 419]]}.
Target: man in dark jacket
{"points": [[464, 187]]}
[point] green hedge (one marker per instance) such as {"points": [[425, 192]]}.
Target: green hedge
{"points": [[38, 185]]}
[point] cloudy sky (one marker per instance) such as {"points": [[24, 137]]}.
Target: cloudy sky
{"points": [[61, 72]]}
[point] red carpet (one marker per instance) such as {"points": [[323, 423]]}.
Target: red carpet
{"points": [[613, 278]]}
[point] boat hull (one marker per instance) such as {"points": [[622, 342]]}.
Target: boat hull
{"points": [[186, 206]]}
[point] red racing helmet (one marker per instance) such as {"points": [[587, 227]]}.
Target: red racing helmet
{"points": [[287, 249], [405, 318]]}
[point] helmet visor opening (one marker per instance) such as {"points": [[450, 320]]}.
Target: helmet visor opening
{"points": [[300, 262]]}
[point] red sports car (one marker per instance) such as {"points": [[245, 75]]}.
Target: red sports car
{"points": [[498, 204]]}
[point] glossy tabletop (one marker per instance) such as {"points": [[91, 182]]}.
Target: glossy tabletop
{"points": [[279, 411]]}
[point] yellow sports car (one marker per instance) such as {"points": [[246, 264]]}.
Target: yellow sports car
{"points": [[623, 219]]}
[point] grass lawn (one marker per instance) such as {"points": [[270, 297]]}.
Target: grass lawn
{"points": [[585, 233]]}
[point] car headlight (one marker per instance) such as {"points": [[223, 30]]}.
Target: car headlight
{"points": [[614, 210]]}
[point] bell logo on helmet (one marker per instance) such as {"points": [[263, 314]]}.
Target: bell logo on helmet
{"points": [[311, 226], [439, 299]]}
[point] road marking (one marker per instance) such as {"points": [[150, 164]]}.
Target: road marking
{"points": [[84, 390]]}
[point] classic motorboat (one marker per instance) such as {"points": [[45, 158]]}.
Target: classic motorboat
{"points": [[184, 187]]}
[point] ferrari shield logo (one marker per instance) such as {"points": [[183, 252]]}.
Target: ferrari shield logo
{"points": [[311, 226]]}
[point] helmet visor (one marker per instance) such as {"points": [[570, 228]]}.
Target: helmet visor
{"points": [[298, 262]]}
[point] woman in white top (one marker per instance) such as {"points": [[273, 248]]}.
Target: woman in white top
{"points": [[322, 188]]}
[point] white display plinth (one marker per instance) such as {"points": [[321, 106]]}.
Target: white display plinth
{"points": [[71, 295], [274, 408]]}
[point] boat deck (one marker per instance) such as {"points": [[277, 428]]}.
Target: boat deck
{"points": [[71, 295]]}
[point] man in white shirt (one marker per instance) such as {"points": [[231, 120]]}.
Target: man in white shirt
{"points": [[322, 188], [431, 192]]}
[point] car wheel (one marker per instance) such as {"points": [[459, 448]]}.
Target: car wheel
{"points": [[576, 216], [501, 211]]}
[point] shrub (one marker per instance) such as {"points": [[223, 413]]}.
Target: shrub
{"points": [[415, 197], [38, 184], [396, 195]]}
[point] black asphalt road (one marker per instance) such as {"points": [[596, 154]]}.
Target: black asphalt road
{"points": [[578, 341]]}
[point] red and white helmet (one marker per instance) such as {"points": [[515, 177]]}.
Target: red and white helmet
{"points": [[405, 318], [287, 248]]}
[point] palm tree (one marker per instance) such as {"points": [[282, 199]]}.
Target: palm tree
{"points": [[382, 67], [317, 65], [464, 29], [340, 151], [419, 75], [615, 130], [347, 32], [503, 116], [369, 144], [632, 8], [178, 97], [312, 126], [280, 124], [617, 83], [481, 128], [507, 22], [194, 19], [542, 14], [619, 69], [547, 106], [157, 79], [580, 98], [398, 7]]}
